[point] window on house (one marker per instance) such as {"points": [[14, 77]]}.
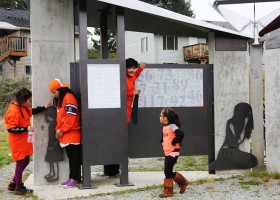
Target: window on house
{"points": [[28, 70], [29, 40], [170, 43], [1, 70], [144, 44]]}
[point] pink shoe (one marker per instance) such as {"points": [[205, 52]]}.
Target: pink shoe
{"points": [[72, 183], [64, 183]]}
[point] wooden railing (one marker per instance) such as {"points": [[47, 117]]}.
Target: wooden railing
{"points": [[13, 46]]}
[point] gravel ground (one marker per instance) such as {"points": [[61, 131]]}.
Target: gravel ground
{"points": [[230, 189], [6, 175]]}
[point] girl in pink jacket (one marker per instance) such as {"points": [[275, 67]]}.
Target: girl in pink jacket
{"points": [[171, 141]]}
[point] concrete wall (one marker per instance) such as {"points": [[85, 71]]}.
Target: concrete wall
{"points": [[231, 86], [52, 30], [256, 101], [271, 61]]}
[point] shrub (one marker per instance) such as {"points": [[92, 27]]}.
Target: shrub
{"points": [[8, 88]]}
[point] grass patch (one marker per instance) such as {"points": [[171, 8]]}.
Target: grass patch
{"points": [[128, 192], [251, 182], [203, 180], [5, 158], [210, 187], [245, 187], [184, 163], [246, 184], [192, 163], [263, 175]]}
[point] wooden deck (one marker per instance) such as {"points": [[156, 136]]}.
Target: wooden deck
{"points": [[197, 53], [13, 46]]}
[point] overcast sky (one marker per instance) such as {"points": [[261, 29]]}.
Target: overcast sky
{"points": [[204, 11]]}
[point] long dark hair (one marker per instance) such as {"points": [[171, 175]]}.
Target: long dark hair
{"points": [[62, 92], [22, 96], [243, 111], [172, 116]]}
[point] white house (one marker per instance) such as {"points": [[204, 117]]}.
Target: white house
{"points": [[152, 48]]}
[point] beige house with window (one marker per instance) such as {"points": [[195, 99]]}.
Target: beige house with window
{"points": [[152, 48], [15, 47]]}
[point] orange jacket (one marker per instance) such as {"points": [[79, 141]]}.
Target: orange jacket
{"points": [[130, 85], [67, 120], [168, 136], [18, 116]]}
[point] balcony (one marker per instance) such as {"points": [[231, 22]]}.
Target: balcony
{"points": [[197, 53], [13, 47]]}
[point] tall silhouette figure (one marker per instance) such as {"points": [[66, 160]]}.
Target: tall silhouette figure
{"points": [[54, 151], [238, 128]]}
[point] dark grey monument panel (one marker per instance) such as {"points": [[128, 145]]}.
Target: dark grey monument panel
{"points": [[230, 44], [104, 129], [197, 122]]}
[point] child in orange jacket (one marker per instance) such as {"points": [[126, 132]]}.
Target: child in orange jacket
{"points": [[132, 73], [171, 141], [18, 123], [68, 129]]}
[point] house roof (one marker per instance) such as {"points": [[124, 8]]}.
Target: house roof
{"points": [[19, 18], [143, 17], [240, 1], [223, 24]]}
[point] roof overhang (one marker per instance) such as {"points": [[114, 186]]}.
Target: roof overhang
{"points": [[222, 2], [8, 27], [275, 24], [271, 35], [143, 17]]}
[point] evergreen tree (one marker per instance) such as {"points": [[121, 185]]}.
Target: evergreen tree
{"points": [[180, 6], [111, 40], [16, 4], [112, 46]]}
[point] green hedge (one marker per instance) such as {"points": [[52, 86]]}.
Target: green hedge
{"points": [[8, 88]]}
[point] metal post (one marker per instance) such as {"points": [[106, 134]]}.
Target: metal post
{"points": [[121, 56], [104, 36], [82, 4]]}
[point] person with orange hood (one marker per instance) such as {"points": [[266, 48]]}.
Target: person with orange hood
{"points": [[68, 129], [17, 119]]}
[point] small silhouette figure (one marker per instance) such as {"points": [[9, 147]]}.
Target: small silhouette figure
{"points": [[54, 150], [238, 128]]}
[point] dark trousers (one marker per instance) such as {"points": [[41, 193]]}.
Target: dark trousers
{"points": [[169, 163], [75, 161], [111, 170], [20, 166]]}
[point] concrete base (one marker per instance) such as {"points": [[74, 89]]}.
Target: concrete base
{"points": [[105, 184]]}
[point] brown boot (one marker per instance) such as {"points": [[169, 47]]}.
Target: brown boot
{"points": [[168, 188], [181, 181]]}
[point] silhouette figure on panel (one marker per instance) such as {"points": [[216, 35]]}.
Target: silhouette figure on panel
{"points": [[54, 150], [238, 128]]}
